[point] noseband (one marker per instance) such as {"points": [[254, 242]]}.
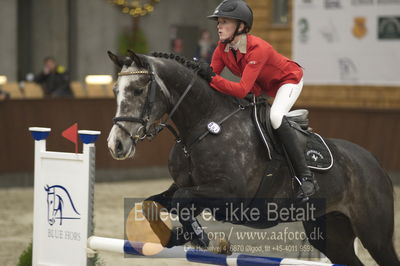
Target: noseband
{"points": [[144, 118]]}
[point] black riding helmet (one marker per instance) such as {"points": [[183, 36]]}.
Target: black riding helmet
{"points": [[235, 9]]}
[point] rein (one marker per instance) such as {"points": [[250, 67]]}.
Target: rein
{"points": [[164, 124], [142, 132]]}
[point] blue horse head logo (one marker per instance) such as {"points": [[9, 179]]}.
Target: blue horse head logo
{"points": [[60, 205]]}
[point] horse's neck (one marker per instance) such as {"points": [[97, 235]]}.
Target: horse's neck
{"points": [[200, 104], [197, 106]]}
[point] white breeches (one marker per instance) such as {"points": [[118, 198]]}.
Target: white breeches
{"points": [[284, 100]]}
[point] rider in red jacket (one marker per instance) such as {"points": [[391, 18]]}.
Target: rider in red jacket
{"points": [[262, 70], [260, 67]]}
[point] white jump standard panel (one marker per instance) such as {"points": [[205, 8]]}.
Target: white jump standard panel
{"points": [[63, 197]]}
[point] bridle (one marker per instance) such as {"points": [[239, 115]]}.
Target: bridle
{"points": [[144, 118], [145, 114], [142, 132]]}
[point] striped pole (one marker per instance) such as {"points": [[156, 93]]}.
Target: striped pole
{"points": [[193, 255]]}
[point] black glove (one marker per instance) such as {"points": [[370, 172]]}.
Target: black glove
{"points": [[206, 71]]}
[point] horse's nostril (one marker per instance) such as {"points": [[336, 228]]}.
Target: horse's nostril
{"points": [[118, 146]]}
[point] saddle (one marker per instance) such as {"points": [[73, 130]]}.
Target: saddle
{"points": [[317, 153]]}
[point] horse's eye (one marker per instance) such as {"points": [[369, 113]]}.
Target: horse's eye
{"points": [[137, 92]]}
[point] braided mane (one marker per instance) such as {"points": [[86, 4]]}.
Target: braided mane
{"points": [[184, 61]]}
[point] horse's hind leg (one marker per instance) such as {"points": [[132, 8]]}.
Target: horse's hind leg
{"points": [[376, 234], [333, 235], [383, 255]]}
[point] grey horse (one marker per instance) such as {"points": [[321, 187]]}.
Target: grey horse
{"points": [[357, 192]]}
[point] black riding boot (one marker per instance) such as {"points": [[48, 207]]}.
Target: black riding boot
{"points": [[288, 137]]}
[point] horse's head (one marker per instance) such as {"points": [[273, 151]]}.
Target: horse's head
{"points": [[138, 104]]}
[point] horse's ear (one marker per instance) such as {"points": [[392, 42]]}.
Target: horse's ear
{"points": [[116, 59], [135, 58]]}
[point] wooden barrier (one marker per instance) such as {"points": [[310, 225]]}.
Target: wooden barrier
{"points": [[376, 130]]}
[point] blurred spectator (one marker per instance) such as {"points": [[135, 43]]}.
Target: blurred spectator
{"points": [[205, 47], [177, 46], [4, 95], [54, 79]]}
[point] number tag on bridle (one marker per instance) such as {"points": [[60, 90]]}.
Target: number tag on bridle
{"points": [[214, 128]]}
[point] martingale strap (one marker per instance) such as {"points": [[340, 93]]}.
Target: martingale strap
{"points": [[187, 149]]}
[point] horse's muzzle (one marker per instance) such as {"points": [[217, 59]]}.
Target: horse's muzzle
{"points": [[120, 153], [120, 145]]}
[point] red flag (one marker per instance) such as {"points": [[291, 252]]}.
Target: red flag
{"points": [[71, 134]]}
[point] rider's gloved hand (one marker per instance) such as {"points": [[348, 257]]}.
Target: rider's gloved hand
{"points": [[206, 71]]}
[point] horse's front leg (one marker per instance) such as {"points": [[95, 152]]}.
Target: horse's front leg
{"points": [[153, 205], [190, 202], [152, 208]]}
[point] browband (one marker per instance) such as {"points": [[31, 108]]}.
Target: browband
{"points": [[138, 72]]}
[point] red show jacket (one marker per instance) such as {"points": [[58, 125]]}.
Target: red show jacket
{"points": [[261, 68]]}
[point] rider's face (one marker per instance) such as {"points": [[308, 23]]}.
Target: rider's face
{"points": [[226, 28]]}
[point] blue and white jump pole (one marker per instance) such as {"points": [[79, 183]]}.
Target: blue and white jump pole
{"points": [[63, 214], [193, 255]]}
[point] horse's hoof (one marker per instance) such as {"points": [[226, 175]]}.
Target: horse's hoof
{"points": [[220, 246], [201, 242], [225, 247]]}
